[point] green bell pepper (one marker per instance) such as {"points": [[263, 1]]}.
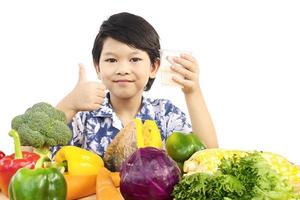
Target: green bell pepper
{"points": [[180, 146], [38, 184]]}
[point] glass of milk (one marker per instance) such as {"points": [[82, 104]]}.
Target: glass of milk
{"points": [[166, 61]]}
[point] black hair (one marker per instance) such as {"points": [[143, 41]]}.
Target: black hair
{"points": [[132, 30]]}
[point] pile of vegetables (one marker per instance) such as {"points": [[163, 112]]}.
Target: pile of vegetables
{"points": [[236, 178], [136, 166]]}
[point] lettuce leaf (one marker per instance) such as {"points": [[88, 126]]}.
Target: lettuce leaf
{"points": [[249, 177]]}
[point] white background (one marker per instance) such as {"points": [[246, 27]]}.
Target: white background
{"points": [[248, 53]]}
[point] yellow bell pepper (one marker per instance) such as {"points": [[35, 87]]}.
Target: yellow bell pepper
{"points": [[79, 161]]}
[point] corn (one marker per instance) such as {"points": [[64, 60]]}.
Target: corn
{"points": [[208, 160], [285, 168]]}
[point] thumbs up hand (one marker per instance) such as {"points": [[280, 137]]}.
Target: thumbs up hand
{"points": [[86, 96]]}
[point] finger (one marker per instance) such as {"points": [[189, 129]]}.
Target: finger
{"points": [[97, 85], [101, 86], [188, 57], [97, 105], [98, 100], [186, 63], [184, 72], [82, 73], [101, 93], [183, 82]]}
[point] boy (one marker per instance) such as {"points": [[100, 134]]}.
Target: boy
{"points": [[126, 58]]}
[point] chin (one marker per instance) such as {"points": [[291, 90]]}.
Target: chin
{"points": [[124, 94]]}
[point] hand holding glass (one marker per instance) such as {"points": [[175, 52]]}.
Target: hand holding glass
{"points": [[166, 62]]}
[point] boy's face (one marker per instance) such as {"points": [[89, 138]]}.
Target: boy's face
{"points": [[124, 70]]}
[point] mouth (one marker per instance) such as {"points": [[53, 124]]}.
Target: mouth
{"points": [[123, 81]]}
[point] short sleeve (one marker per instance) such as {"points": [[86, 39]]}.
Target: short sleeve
{"points": [[173, 119], [77, 128]]}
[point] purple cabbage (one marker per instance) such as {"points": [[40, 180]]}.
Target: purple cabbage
{"points": [[149, 173]]}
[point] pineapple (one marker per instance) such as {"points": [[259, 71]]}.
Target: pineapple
{"points": [[151, 135]]}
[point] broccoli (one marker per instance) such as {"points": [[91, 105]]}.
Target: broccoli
{"points": [[42, 126]]}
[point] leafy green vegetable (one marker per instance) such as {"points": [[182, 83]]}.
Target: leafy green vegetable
{"points": [[206, 186], [246, 178]]}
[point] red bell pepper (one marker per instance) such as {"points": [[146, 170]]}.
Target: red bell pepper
{"points": [[10, 164], [1, 155]]}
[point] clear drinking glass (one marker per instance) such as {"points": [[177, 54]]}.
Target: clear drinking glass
{"points": [[166, 61]]}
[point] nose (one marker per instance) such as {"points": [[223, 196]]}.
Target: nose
{"points": [[123, 68]]}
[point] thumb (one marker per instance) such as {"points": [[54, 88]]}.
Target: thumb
{"points": [[82, 73]]}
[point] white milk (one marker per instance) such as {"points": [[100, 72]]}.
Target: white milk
{"points": [[165, 67]]}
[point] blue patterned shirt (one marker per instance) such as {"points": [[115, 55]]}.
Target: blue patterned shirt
{"points": [[94, 130]]}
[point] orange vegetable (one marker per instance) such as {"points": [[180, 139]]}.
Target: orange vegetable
{"points": [[80, 185], [105, 189], [115, 176]]}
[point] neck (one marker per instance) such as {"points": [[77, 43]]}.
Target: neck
{"points": [[127, 108]]}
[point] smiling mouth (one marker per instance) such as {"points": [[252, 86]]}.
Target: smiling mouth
{"points": [[122, 81]]}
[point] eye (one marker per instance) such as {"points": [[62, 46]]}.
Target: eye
{"points": [[110, 60], [135, 59]]}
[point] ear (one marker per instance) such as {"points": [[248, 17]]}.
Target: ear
{"points": [[154, 68]]}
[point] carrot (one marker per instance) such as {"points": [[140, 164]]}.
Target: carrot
{"points": [[105, 188], [80, 185], [115, 176]]}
